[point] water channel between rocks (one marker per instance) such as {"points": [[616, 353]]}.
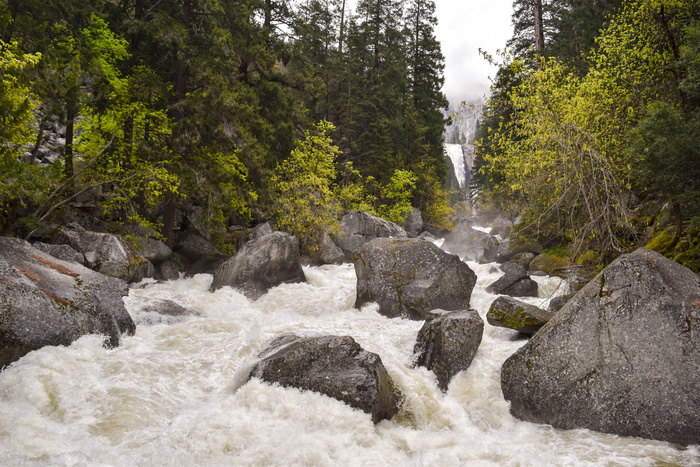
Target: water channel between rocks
{"points": [[171, 394]]}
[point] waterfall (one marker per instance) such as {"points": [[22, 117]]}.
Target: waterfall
{"points": [[455, 153]]}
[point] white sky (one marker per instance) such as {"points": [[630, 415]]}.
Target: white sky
{"points": [[464, 26]]}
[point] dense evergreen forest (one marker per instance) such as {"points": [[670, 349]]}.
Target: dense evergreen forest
{"points": [[592, 132], [226, 112]]}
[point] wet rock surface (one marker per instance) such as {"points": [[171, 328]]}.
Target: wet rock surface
{"points": [[448, 343], [261, 264], [335, 366], [410, 277], [622, 356], [48, 301]]}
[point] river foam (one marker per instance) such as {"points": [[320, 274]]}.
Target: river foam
{"points": [[171, 395]]}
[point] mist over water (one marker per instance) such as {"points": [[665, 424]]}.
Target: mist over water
{"points": [[171, 394]]}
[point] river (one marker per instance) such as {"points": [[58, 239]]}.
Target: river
{"points": [[171, 395]]}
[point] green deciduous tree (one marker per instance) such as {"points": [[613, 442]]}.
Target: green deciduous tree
{"points": [[302, 185]]}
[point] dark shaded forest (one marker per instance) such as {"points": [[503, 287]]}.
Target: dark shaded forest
{"points": [[228, 113]]}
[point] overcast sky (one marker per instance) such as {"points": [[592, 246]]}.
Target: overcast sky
{"points": [[464, 26]]}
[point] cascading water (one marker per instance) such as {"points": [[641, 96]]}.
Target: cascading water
{"points": [[171, 395], [455, 153]]}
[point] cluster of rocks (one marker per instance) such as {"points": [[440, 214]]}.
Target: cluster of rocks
{"points": [[618, 353]]}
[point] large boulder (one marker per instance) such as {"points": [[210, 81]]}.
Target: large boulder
{"points": [[261, 264], [334, 366], [48, 301], [358, 227], [507, 312], [512, 273], [106, 253], [195, 247], [471, 244], [447, 343], [410, 277], [622, 356]]}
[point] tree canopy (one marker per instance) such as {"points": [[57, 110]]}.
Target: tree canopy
{"points": [[155, 109]]}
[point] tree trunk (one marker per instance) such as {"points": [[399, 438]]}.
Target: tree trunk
{"points": [[342, 28], [68, 171], [539, 30]]}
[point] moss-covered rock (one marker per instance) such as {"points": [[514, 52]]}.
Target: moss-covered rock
{"points": [[546, 263], [507, 312]]}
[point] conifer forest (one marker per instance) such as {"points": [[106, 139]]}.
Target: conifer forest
{"points": [[227, 113]]}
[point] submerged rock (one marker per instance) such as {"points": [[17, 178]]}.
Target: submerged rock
{"points": [[513, 314], [334, 366], [48, 301], [471, 244], [410, 277], [358, 227], [261, 264], [622, 356], [447, 343]]}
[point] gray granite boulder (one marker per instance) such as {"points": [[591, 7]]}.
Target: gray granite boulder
{"points": [[194, 247], [448, 343], [106, 253], [525, 287], [325, 252], [358, 227], [413, 225], [622, 356], [48, 301], [64, 252], [410, 277], [153, 250], [514, 282], [507, 312], [261, 264], [471, 244], [334, 366]]}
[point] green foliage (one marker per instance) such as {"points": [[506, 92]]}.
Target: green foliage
{"points": [[20, 183], [562, 153], [193, 105], [304, 202], [352, 191], [398, 193]]}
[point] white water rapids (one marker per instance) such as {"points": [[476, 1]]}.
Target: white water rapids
{"points": [[170, 395]]}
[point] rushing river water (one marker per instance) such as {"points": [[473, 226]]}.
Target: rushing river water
{"points": [[171, 395]]}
